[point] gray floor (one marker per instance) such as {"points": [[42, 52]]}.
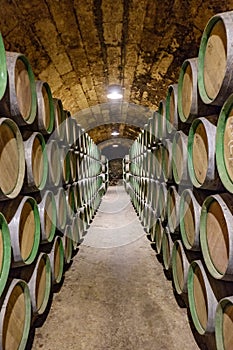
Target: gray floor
{"points": [[115, 295]]}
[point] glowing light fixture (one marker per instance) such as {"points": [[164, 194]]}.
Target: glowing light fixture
{"points": [[114, 146], [115, 133], [115, 92]]}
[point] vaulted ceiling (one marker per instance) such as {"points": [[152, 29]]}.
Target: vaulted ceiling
{"points": [[81, 46]]}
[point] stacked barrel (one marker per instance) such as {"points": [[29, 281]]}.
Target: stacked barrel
{"points": [[52, 179], [180, 180]]}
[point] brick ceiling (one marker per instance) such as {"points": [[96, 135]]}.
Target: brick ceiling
{"points": [[81, 46]]}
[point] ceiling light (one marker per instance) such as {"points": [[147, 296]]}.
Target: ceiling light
{"points": [[115, 146], [114, 92], [115, 133]]}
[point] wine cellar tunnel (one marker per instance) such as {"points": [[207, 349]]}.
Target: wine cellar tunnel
{"points": [[116, 178]]}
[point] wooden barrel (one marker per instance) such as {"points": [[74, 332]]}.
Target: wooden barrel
{"points": [[190, 212], [15, 316], [172, 118], [157, 235], [216, 234], [173, 209], [65, 165], [67, 244], [224, 324], [12, 159], [204, 293], [69, 131], [54, 161], [155, 185], [167, 246], [59, 118], [158, 154], [167, 161], [180, 266], [5, 252], [181, 260], [24, 225], [71, 193], [19, 101], [3, 68], [162, 207], [61, 208], [40, 284], [215, 60], [190, 104], [48, 216], [180, 158], [36, 162], [75, 133], [75, 228], [201, 154], [44, 121], [202, 301], [162, 124], [56, 257], [224, 142]]}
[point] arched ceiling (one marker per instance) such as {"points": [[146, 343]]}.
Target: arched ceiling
{"points": [[81, 46]]}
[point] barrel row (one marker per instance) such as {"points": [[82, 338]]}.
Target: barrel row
{"points": [[52, 180], [29, 164], [31, 105], [179, 177]]}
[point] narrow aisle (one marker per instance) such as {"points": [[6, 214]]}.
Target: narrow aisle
{"points": [[115, 295]]}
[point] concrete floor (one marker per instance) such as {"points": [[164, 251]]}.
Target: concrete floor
{"points": [[115, 294]]}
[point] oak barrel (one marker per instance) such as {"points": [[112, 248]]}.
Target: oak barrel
{"points": [[54, 161], [59, 120], [190, 104], [12, 159], [40, 285], [61, 208], [56, 257], [19, 101], [24, 225], [224, 324], [5, 252], [201, 154], [180, 158], [202, 300], [36, 162], [172, 117], [15, 316], [216, 232], [48, 216], [67, 244], [44, 121], [215, 59], [224, 143], [190, 213], [173, 209]]}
